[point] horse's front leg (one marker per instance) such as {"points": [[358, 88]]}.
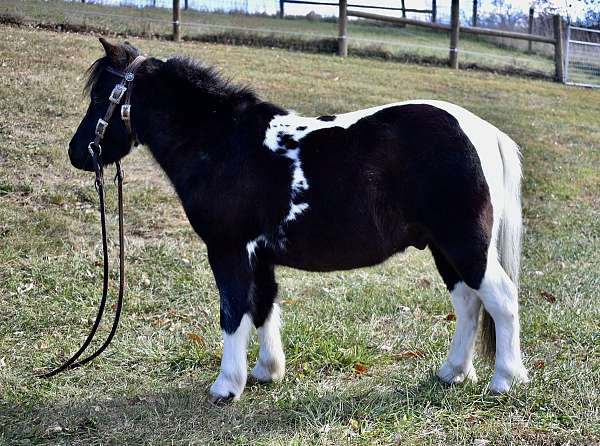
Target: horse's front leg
{"points": [[270, 365], [234, 279]]}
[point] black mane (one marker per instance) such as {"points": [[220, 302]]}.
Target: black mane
{"points": [[93, 73], [185, 72], [207, 79]]}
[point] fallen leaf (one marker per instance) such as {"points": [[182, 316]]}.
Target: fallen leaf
{"points": [[450, 317], [354, 424], [406, 354], [424, 282], [286, 302], [359, 368], [196, 338], [161, 322], [549, 297], [472, 418], [539, 364]]}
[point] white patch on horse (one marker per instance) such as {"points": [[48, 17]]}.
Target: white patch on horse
{"points": [[295, 210], [292, 127], [459, 365], [499, 296], [271, 359], [253, 244], [232, 379]]}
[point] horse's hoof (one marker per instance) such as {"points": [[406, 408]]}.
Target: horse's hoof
{"points": [[502, 382], [226, 389], [455, 375], [267, 374], [220, 399]]}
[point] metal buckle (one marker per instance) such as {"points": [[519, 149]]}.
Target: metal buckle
{"points": [[91, 146], [117, 93], [101, 127], [129, 76], [126, 112]]}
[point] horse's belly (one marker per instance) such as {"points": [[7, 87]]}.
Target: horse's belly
{"points": [[337, 247]]}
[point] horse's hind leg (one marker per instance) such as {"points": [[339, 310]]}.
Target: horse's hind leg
{"points": [[499, 296], [270, 365], [459, 365]]}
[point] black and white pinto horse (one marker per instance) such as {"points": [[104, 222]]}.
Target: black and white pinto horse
{"points": [[263, 186]]}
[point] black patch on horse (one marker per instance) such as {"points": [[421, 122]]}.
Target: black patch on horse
{"points": [[326, 118]]}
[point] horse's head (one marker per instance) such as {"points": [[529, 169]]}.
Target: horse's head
{"points": [[102, 78]]}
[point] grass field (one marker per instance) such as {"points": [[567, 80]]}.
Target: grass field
{"points": [[362, 346], [407, 43]]}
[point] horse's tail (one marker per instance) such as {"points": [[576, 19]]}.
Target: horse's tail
{"points": [[510, 231]]}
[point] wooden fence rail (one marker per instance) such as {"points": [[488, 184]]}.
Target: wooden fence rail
{"points": [[404, 9], [455, 29]]}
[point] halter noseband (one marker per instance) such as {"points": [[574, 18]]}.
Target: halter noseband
{"points": [[123, 88]]}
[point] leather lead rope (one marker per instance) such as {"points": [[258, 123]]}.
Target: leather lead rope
{"points": [[115, 98]]}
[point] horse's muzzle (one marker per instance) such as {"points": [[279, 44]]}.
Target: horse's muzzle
{"points": [[80, 159]]}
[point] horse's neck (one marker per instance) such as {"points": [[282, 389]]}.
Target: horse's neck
{"points": [[191, 157]]}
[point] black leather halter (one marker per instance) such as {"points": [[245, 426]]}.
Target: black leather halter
{"points": [[123, 88]]}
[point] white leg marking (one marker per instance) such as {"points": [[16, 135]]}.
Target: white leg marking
{"points": [[499, 296], [459, 365], [271, 359], [232, 378]]}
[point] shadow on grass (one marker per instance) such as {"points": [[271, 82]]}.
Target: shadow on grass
{"points": [[185, 415]]}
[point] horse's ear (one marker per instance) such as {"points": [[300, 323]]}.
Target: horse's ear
{"points": [[117, 55]]}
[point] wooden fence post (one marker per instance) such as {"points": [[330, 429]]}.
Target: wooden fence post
{"points": [[281, 8], [403, 7], [530, 30], [343, 29], [454, 31], [558, 48], [176, 17], [475, 12], [433, 10]]}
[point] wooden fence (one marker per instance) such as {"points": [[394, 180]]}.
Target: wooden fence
{"points": [[455, 30], [402, 8]]}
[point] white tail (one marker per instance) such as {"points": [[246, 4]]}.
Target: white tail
{"points": [[511, 222], [511, 229]]}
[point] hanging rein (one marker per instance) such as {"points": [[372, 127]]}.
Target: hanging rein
{"points": [[122, 89]]}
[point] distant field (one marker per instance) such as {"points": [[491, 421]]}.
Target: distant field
{"points": [[348, 335], [407, 41]]}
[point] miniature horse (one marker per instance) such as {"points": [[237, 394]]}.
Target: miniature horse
{"points": [[263, 186]]}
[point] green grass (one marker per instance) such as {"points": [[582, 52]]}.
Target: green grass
{"points": [[150, 387], [407, 42]]}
